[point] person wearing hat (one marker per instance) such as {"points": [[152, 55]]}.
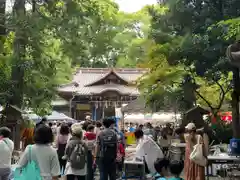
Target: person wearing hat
{"points": [[192, 171], [73, 173]]}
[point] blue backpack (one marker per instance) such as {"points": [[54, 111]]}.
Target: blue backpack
{"points": [[30, 171]]}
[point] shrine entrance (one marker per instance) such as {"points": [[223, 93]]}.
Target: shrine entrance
{"points": [[99, 91], [105, 103], [109, 112]]}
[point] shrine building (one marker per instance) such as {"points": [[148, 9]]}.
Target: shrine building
{"points": [[98, 91]]}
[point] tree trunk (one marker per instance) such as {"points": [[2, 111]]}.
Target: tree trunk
{"points": [[189, 93], [2, 17], [2, 24], [17, 75], [235, 104]]}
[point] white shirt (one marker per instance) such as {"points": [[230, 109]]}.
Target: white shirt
{"points": [[46, 158], [58, 130], [78, 172], [148, 149], [6, 150], [54, 129]]}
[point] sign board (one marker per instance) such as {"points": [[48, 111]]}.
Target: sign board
{"points": [[83, 107], [130, 138]]}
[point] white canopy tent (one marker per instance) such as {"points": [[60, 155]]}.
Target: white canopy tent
{"points": [[134, 118], [164, 118], [55, 116], [155, 118]]}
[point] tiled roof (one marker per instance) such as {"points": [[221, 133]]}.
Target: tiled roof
{"points": [[86, 76]]}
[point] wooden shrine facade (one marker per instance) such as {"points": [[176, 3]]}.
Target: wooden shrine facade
{"points": [[98, 91]]}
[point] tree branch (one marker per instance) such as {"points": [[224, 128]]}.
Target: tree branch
{"points": [[204, 99], [222, 95]]}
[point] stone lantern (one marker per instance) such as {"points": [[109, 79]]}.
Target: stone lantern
{"points": [[233, 53]]}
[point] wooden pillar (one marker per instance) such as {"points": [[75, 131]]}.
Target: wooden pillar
{"points": [[94, 112], [103, 111]]}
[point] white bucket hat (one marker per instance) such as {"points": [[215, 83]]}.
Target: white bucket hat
{"points": [[77, 129], [190, 126]]}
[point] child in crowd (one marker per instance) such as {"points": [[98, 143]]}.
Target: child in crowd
{"points": [[90, 139], [161, 166], [90, 135], [176, 168], [120, 157]]}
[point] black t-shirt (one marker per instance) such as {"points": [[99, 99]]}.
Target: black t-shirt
{"points": [[107, 142]]}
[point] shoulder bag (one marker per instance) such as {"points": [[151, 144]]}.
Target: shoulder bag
{"points": [[197, 154]]}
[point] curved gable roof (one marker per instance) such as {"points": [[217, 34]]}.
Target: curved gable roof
{"points": [[105, 76], [84, 78]]}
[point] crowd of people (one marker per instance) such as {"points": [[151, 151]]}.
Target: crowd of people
{"points": [[76, 151]]}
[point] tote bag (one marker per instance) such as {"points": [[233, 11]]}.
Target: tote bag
{"points": [[197, 154], [30, 171]]}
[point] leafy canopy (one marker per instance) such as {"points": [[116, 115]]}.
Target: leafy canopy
{"points": [[191, 36]]}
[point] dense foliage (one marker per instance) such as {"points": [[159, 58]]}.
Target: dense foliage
{"points": [[43, 42], [183, 43], [188, 62]]}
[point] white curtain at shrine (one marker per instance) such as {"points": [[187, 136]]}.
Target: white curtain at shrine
{"points": [[118, 113]]}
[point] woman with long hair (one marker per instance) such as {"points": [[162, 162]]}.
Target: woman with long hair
{"points": [[61, 143], [193, 171]]}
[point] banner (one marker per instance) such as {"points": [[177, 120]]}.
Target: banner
{"points": [[130, 138]]}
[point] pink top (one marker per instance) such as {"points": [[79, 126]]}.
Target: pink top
{"points": [[62, 139]]}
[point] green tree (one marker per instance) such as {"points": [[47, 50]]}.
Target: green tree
{"points": [[41, 46], [49, 39], [189, 35], [133, 38]]}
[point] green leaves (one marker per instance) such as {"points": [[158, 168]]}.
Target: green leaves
{"points": [[191, 39], [47, 41], [214, 90], [161, 86], [230, 29]]}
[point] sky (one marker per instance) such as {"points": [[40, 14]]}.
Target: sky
{"points": [[125, 5], [133, 5]]}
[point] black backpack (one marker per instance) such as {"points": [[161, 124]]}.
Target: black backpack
{"points": [[108, 145]]}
